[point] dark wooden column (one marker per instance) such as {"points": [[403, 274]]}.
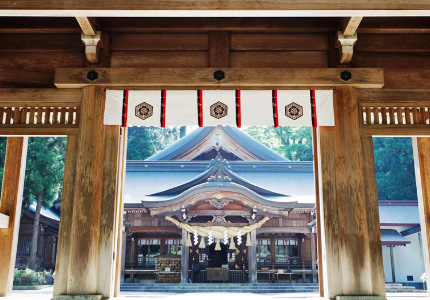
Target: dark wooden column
{"points": [[185, 258], [313, 237], [252, 257], [421, 147], [10, 208], [351, 264]]}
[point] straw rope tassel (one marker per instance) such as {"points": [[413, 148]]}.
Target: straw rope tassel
{"points": [[202, 243], [217, 246], [188, 244], [248, 240], [232, 245]]}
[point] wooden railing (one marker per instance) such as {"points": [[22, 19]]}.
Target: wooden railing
{"points": [[46, 115], [394, 115]]}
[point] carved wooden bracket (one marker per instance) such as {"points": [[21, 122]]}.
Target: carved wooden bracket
{"points": [[92, 44], [346, 46]]}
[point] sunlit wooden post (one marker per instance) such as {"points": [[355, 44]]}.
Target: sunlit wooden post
{"points": [[352, 261], [10, 208], [421, 149]]}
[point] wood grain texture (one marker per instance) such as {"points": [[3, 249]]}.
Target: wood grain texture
{"points": [[393, 43], [40, 42], [393, 97], [109, 209], [119, 225], [34, 97], [127, 8], [85, 231], [407, 78], [185, 257], [407, 60], [219, 49], [278, 59], [10, 205], [204, 25], [66, 217], [397, 130], [41, 60], [159, 41], [88, 25], [349, 236], [421, 150], [372, 213], [235, 78], [26, 79], [159, 59], [268, 41], [350, 25]]}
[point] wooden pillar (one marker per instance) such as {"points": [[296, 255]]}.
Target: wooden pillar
{"points": [[351, 262], [421, 149], [123, 252], [62, 263], [185, 257], [10, 206], [109, 210], [252, 257], [393, 268], [318, 212], [314, 255]]}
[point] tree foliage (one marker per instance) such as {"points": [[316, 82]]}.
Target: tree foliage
{"points": [[294, 143], [146, 141], [45, 168], [394, 166]]}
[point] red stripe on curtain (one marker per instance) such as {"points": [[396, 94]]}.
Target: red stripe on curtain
{"points": [[200, 106], [313, 109], [275, 108], [124, 108], [238, 112], [163, 108]]}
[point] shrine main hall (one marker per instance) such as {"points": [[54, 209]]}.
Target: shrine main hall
{"points": [[60, 60]]}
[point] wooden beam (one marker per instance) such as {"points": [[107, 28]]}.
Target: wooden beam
{"points": [[237, 78], [299, 229], [219, 49], [393, 97], [88, 25], [44, 130], [183, 8], [4, 221], [185, 257], [32, 97], [350, 25], [10, 205], [396, 130]]}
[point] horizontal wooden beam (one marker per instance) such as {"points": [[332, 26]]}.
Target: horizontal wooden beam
{"points": [[393, 97], [217, 212], [184, 8], [4, 221], [43, 97], [298, 229], [235, 78], [396, 130], [34, 130], [407, 78]]}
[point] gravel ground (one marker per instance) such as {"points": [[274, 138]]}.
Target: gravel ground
{"points": [[46, 294]]}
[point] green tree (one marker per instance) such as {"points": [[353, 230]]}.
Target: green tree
{"points": [[43, 180], [145, 141], [394, 167], [294, 143]]}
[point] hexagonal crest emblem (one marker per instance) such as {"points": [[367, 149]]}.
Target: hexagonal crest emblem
{"points": [[294, 111], [219, 110], [144, 110]]}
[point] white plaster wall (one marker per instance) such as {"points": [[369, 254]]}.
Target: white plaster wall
{"points": [[407, 260]]}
